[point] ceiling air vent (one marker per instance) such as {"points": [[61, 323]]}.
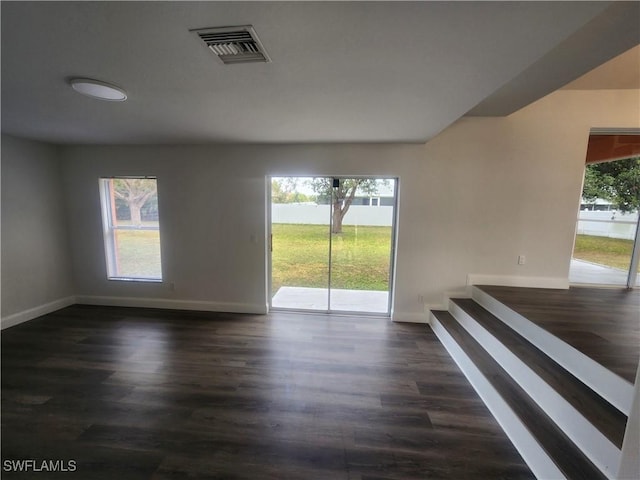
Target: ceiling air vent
{"points": [[234, 44]]}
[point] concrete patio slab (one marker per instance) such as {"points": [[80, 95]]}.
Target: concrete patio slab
{"points": [[594, 274], [303, 298]]}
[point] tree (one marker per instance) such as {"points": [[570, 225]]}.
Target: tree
{"points": [[284, 190], [341, 197], [617, 181], [278, 193], [135, 192]]}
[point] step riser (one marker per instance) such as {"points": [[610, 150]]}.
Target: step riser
{"points": [[533, 454], [605, 383], [604, 454]]}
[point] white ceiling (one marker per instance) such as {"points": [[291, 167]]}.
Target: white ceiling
{"points": [[341, 71]]}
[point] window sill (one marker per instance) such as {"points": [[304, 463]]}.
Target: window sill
{"points": [[130, 279]]}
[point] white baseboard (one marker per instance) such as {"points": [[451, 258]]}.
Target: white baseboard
{"points": [[447, 296], [515, 281], [466, 293], [406, 317], [428, 307], [171, 304], [35, 312]]}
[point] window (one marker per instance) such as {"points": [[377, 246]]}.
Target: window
{"points": [[131, 228]]}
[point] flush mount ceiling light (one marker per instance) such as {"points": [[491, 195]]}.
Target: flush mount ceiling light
{"points": [[97, 89]]}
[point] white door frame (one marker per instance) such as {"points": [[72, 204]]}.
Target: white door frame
{"points": [[392, 254]]}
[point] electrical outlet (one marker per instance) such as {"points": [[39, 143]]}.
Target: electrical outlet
{"points": [[421, 299], [522, 259]]}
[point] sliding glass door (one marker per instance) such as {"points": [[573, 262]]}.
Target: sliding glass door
{"points": [[300, 246], [332, 243], [607, 244]]}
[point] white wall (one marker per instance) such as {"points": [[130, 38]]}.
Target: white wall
{"points": [[470, 201], [501, 187], [212, 202], [36, 273]]}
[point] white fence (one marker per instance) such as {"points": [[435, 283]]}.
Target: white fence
{"points": [[608, 224], [379, 216], [603, 224]]}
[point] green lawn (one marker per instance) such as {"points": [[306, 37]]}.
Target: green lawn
{"points": [[612, 252], [138, 253], [360, 257]]}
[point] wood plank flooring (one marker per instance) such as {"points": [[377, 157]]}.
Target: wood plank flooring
{"points": [[149, 394], [602, 323]]}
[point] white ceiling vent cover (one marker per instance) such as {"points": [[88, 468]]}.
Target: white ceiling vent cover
{"points": [[234, 44]]}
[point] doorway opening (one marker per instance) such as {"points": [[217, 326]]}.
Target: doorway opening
{"points": [[607, 243], [332, 244]]}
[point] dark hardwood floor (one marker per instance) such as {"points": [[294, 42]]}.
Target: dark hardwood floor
{"points": [[602, 323], [134, 393]]}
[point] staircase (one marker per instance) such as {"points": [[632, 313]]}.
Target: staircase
{"points": [[565, 413]]}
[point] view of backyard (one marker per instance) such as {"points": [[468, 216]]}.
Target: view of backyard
{"points": [[608, 219], [611, 252], [361, 260], [361, 241], [138, 253], [360, 257]]}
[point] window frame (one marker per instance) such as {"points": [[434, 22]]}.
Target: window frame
{"points": [[110, 228]]}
